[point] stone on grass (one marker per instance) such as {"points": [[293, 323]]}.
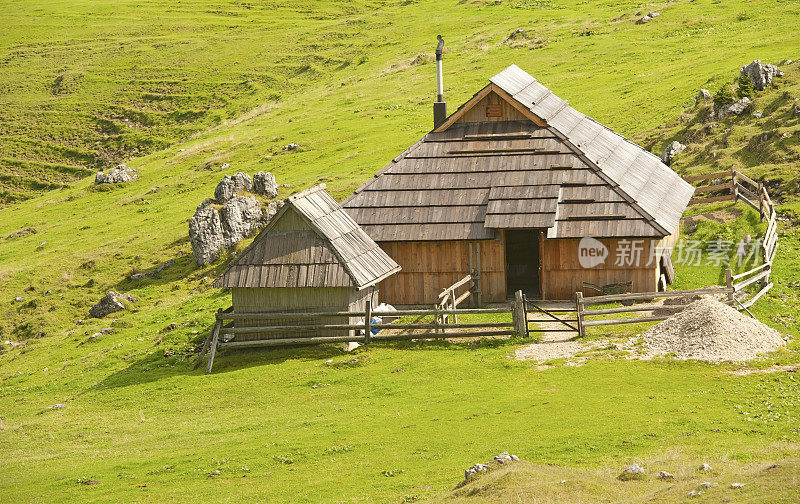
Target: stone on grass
{"points": [[737, 486], [632, 472], [708, 484], [264, 184], [290, 147], [475, 469], [229, 186], [760, 74], [644, 19], [736, 108], [112, 302], [505, 457], [694, 493], [704, 467], [673, 149], [664, 475], [758, 114], [212, 230], [118, 175], [704, 95]]}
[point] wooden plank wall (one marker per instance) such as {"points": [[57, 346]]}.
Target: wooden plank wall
{"points": [[300, 299], [563, 275], [478, 113], [431, 266]]}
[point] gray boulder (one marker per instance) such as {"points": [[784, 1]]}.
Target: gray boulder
{"points": [[212, 229], [760, 74], [475, 469], [632, 472], [664, 475], [644, 19], [118, 175], [736, 108], [264, 183], [704, 95], [112, 302], [672, 150], [229, 186], [758, 114]]}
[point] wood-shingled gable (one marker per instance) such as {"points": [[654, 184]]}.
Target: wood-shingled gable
{"points": [[311, 242]]}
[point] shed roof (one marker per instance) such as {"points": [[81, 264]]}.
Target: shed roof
{"points": [[310, 242], [557, 170]]}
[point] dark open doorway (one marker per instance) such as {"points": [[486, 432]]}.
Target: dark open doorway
{"points": [[522, 262]]}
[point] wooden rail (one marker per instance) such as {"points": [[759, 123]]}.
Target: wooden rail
{"points": [[306, 328]]}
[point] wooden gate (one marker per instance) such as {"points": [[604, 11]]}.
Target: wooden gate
{"points": [[536, 314]]}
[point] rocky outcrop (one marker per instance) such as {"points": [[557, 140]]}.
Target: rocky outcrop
{"points": [[735, 108], [214, 229], [760, 74], [264, 183], [229, 186], [632, 472], [118, 175], [672, 150], [112, 302]]}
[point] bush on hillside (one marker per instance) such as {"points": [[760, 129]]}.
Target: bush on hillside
{"points": [[745, 87], [724, 96]]}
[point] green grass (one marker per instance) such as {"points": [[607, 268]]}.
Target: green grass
{"points": [[232, 82]]}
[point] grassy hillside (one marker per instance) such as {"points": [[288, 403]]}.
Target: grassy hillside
{"points": [[346, 81]]}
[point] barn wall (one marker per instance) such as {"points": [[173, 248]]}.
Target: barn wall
{"points": [[478, 113], [563, 275], [301, 299], [431, 266]]}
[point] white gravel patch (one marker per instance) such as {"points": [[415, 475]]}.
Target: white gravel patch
{"points": [[711, 331]]}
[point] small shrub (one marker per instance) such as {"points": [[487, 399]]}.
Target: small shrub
{"points": [[724, 96], [745, 87]]}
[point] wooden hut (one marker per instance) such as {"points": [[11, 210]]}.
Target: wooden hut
{"points": [[507, 187], [311, 256]]}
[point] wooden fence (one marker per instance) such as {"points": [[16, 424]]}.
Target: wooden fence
{"points": [[448, 300], [714, 187], [291, 328], [586, 317]]}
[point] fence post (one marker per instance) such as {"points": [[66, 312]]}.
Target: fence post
{"points": [[734, 189], [525, 314], [579, 313], [453, 304], [729, 283], [367, 320], [761, 200], [517, 315]]}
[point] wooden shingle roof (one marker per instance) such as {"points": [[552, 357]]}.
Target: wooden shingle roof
{"points": [[465, 180], [310, 242]]}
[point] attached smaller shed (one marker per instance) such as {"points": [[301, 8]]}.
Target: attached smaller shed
{"points": [[312, 256]]}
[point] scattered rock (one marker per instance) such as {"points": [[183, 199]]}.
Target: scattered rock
{"points": [[694, 493], [18, 299], [212, 230], [224, 166], [704, 467], [737, 486], [264, 183], [106, 330], [664, 475], [171, 327], [632, 472], [475, 469], [704, 95], [167, 264], [229, 186], [736, 108], [56, 406], [290, 147], [760, 74], [95, 336], [654, 14], [110, 303], [139, 276], [21, 233], [505, 457], [118, 175], [707, 484], [771, 467], [672, 150], [796, 110], [644, 19], [758, 114]]}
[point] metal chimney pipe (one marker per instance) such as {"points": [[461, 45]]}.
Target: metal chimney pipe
{"points": [[439, 81], [440, 106]]}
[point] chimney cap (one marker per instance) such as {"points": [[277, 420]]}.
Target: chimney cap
{"points": [[439, 47]]}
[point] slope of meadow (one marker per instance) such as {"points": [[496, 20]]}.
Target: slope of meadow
{"points": [[203, 83]]}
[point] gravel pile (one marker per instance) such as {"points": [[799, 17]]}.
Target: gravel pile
{"points": [[711, 331]]}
